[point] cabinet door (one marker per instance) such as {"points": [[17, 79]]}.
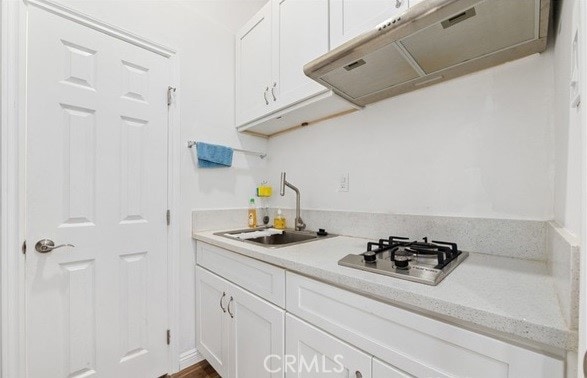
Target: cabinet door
{"points": [[349, 18], [312, 352], [383, 370], [300, 31], [256, 336], [211, 320], [253, 67]]}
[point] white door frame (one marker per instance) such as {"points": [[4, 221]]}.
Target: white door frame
{"points": [[12, 176], [583, 234]]}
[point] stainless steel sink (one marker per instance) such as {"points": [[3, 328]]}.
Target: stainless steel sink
{"points": [[287, 238]]}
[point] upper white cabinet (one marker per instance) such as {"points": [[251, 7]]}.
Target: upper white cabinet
{"points": [[349, 18], [253, 67], [300, 30], [272, 91]]}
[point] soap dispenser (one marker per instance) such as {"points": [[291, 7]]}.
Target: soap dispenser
{"points": [[252, 213], [279, 221]]}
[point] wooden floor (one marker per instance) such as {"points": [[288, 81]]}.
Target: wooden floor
{"points": [[199, 370]]}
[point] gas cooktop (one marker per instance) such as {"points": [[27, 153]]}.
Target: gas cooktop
{"points": [[418, 261]]}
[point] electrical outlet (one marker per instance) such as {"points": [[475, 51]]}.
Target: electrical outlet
{"points": [[343, 182]]}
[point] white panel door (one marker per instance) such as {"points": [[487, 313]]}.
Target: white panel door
{"points": [[349, 18], [96, 178], [212, 319], [253, 68], [256, 332], [300, 34], [318, 354]]}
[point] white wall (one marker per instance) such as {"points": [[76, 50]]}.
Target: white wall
{"points": [[477, 146], [567, 199], [203, 34]]}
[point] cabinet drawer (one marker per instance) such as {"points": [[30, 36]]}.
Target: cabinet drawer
{"points": [[418, 345], [383, 370], [263, 280]]}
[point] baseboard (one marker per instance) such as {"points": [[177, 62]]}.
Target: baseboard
{"points": [[189, 358]]}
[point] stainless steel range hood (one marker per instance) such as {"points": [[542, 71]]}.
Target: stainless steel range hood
{"points": [[434, 41]]}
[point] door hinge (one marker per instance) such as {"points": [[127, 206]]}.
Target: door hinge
{"points": [[168, 217], [168, 337], [170, 95], [23, 247]]}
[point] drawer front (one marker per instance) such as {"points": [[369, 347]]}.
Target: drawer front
{"points": [[264, 280], [383, 370], [417, 345]]}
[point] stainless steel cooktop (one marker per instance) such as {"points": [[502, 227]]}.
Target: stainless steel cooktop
{"points": [[418, 261]]}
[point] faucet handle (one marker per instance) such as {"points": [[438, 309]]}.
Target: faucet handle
{"points": [[300, 225]]}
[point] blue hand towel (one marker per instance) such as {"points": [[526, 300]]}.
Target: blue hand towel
{"points": [[213, 156]]}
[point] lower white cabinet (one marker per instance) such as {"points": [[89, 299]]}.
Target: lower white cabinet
{"points": [[311, 352], [418, 345], [211, 319], [240, 334], [332, 332]]}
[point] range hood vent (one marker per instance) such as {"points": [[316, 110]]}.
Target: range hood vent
{"points": [[434, 41]]}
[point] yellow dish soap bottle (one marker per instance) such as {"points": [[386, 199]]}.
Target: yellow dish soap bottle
{"points": [[252, 213], [279, 221]]}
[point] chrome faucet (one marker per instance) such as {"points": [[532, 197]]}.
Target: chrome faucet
{"points": [[300, 225]]}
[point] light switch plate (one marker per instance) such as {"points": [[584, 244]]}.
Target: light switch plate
{"points": [[343, 182]]}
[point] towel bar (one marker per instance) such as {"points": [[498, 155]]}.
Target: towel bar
{"points": [[262, 155]]}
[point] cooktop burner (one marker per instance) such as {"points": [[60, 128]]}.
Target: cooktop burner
{"points": [[420, 261]]}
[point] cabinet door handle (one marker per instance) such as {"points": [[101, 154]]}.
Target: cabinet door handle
{"points": [[358, 374], [265, 96], [398, 3], [221, 298], [273, 91], [230, 312]]}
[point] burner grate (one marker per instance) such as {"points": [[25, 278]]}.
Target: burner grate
{"points": [[445, 252]]}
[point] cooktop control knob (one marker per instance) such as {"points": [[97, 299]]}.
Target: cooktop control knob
{"points": [[370, 257], [401, 262]]}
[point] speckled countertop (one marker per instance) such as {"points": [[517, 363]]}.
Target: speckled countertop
{"points": [[508, 297]]}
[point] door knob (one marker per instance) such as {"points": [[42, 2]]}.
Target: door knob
{"points": [[46, 245]]}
